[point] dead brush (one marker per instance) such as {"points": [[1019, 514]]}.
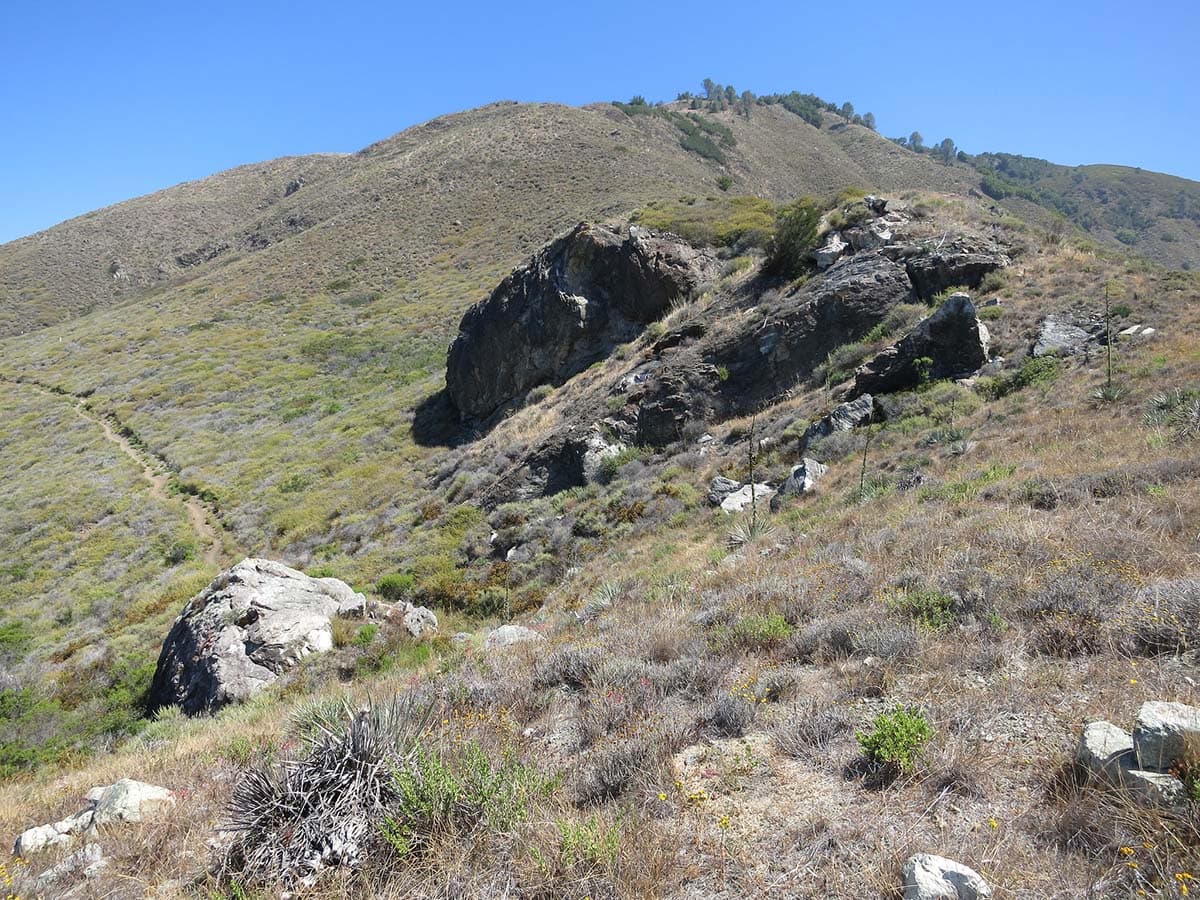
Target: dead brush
{"points": [[321, 810], [809, 729]]}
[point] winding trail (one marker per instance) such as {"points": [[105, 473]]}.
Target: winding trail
{"points": [[155, 472]]}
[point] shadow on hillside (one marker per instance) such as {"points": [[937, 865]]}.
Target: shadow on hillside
{"points": [[436, 423]]}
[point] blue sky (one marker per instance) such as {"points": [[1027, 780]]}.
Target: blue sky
{"points": [[103, 101]]}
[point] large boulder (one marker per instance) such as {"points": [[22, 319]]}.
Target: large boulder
{"points": [[253, 622], [1105, 751], [929, 877], [960, 265], [579, 296], [948, 344]]}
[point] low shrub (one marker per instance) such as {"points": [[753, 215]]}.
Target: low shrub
{"points": [[896, 737]]}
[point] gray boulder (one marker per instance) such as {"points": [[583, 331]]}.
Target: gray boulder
{"points": [[802, 480], [1166, 735], [1155, 788], [421, 622], [88, 861], [958, 266], [953, 340], [868, 237], [510, 636], [253, 622], [579, 296], [720, 488], [929, 877], [843, 418], [747, 496]]}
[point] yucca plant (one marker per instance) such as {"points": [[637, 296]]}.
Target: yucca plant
{"points": [[321, 810]]}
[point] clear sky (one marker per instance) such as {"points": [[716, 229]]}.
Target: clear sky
{"points": [[102, 101]]}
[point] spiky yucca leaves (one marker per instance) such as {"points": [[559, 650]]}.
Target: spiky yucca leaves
{"points": [[294, 818]]}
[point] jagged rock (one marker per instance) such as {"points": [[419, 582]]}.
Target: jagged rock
{"points": [[831, 251], [877, 205], [868, 237], [421, 622], [1105, 751], [720, 488], [842, 418], [745, 496], [802, 480], [509, 636], [953, 339], [125, 801], [960, 266], [241, 632], [89, 861], [1166, 735], [1059, 336], [929, 877], [580, 295]]}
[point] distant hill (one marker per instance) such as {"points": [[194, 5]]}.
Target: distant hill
{"points": [[491, 184]]}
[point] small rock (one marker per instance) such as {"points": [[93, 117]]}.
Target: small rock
{"points": [[510, 635], [1165, 735], [1105, 751], [842, 418], [1132, 329], [747, 495], [421, 622], [929, 877]]}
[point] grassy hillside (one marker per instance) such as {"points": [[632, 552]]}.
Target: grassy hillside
{"points": [[277, 386]]}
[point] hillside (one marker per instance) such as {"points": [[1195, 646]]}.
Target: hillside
{"points": [[998, 551]]}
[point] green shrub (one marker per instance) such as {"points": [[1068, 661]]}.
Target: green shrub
{"points": [[760, 632], [896, 737], [990, 313], [366, 634], [1042, 370], [439, 795], [796, 234], [932, 609], [395, 587], [724, 182]]}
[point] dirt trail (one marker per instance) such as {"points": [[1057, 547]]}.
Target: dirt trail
{"points": [[157, 476], [154, 472]]}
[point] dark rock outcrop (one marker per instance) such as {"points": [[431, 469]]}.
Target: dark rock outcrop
{"points": [[960, 265], [842, 418], [241, 632], [950, 343], [750, 359], [580, 295]]}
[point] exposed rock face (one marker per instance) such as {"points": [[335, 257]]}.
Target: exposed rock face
{"points": [[830, 252], [802, 480], [720, 488], [1059, 335], [843, 418], [125, 801], [1166, 734], [237, 635], [580, 295], [957, 266], [929, 877], [952, 339]]}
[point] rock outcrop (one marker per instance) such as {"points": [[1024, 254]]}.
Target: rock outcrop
{"points": [[125, 801], [1063, 335], [843, 417], [580, 295], [951, 343], [241, 632], [510, 636], [960, 265]]}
